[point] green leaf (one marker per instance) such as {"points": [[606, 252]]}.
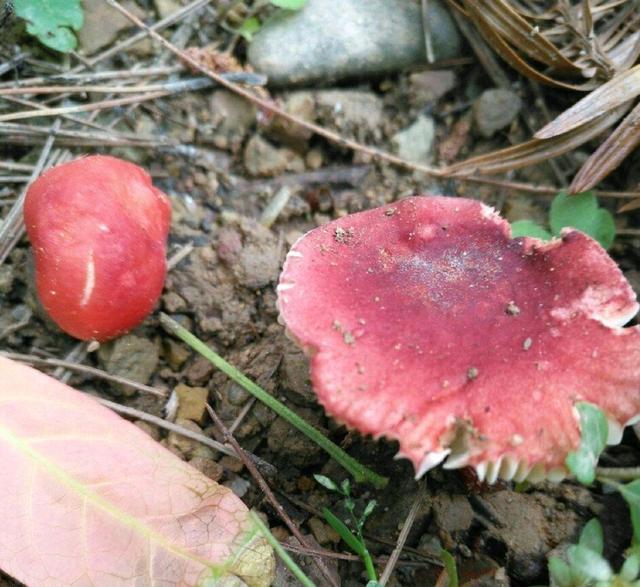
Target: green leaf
{"points": [[581, 211], [350, 505], [369, 509], [289, 4], [249, 28], [330, 484], [52, 21], [631, 494], [593, 432], [345, 486], [450, 566], [589, 563], [529, 228], [631, 567], [347, 535], [591, 536], [560, 572]]}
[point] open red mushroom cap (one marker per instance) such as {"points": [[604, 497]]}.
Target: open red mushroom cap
{"points": [[427, 323]]}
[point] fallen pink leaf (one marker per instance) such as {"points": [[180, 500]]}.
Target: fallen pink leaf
{"points": [[86, 498]]}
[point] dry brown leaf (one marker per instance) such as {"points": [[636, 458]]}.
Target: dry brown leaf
{"points": [[536, 150], [587, 17], [622, 88], [510, 56], [561, 44], [632, 205], [626, 53], [518, 32], [609, 154]]}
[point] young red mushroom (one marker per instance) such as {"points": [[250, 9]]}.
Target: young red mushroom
{"points": [[427, 323], [99, 230]]}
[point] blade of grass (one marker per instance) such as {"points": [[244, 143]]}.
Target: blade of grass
{"points": [[347, 535], [450, 567], [281, 552], [359, 472], [353, 542]]}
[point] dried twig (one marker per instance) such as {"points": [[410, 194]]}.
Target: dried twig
{"points": [[183, 85], [12, 227], [402, 538], [94, 76], [266, 467], [259, 479], [73, 366]]}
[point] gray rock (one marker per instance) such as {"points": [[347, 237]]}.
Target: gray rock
{"points": [[232, 117], [238, 485], [334, 39], [429, 86], [414, 142], [495, 109], [257, 263], [355, 113], [166, 7], [6, 278], [236, 395], [303, 105], [103, 23], [453, 513], [262, 159], [129, 356]]}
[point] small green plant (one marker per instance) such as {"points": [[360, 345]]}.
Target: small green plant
{"points": [[450, 567], [352, 536], [249, 27], [593, 440], [580, 211], [585, 565], [289, 4], [252, 24], [52, 22]]}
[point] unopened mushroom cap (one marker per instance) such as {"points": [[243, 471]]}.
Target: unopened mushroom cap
{"points": [[427, 323]]}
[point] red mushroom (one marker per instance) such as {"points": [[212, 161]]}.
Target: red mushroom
{"points": [[427, 323], [99, 230]]}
